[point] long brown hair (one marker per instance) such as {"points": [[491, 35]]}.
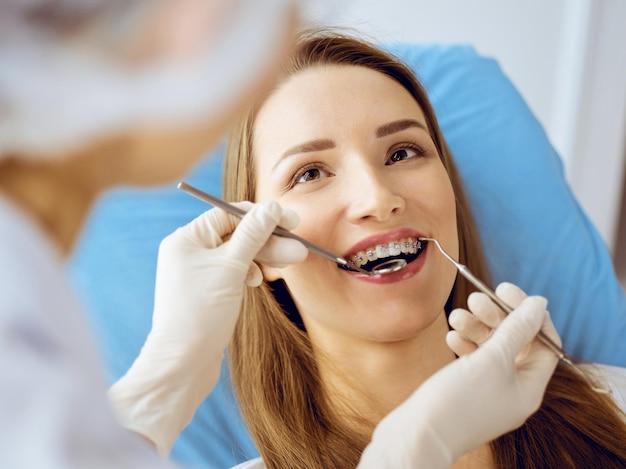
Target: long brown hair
{"points": [[273, 366]]}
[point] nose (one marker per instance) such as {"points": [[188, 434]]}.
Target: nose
{"points": [[373, 197]]}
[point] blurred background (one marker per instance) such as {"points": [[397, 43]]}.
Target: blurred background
{"points": [[567, 59]]}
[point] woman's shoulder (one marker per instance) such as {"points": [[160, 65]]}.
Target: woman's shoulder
{"points": [[614, 377], [252, 464]]}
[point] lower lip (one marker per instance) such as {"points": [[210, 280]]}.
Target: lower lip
{"points": [[410, 270]]}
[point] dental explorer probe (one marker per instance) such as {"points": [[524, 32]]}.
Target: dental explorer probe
{"points": [[543, 338], [390, 266]]}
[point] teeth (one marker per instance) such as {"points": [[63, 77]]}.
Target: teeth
{"points": [[370, 254], [394, 248], [405, 246], [380, 251]]}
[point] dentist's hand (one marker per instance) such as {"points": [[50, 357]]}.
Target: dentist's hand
{"points": [[497, 383], [202, 271]]}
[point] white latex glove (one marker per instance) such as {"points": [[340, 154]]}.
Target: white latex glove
{"points": [[199, 286], [478, 397]]}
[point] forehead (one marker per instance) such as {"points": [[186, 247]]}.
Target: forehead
{"points": [[327, 102]]}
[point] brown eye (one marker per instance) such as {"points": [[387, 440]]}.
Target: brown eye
{"points": [[310, 172], [310, 175], [402, 154]]}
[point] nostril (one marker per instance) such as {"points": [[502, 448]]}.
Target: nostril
{"points": [[378, 207]]}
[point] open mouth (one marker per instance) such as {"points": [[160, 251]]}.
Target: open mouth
{"points": [[407, 249]]}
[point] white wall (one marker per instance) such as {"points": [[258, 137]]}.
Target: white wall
{"points": [[567, 59]]}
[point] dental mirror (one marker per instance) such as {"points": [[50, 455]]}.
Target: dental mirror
{"points": [[389, 267], [393, 265]]}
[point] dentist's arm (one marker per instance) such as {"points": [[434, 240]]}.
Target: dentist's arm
{"points": [[202, 271], [497, 383]]}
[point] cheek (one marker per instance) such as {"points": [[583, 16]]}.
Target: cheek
{"points": [[446, 220], [435, 200], [447, 234], [315, 226], [447, 206], [433, 195], [443, 191], [306, 279]]}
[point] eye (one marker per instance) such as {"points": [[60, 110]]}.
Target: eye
{"points": [[308, 173], [404, 152]]}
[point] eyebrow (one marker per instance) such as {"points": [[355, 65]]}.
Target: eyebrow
{"points": [[311, 145], [398, 126], [326, 144]]}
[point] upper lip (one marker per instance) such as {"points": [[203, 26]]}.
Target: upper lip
{"points": [[382, 238]]}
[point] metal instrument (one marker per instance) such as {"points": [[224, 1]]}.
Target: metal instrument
{"points": [[543, 338], [392, 265]]}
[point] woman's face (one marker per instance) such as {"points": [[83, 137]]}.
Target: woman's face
{"points": [[349, 150]]}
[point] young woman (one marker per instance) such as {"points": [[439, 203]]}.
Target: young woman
{"points": [[347, 139], [123, 87]]}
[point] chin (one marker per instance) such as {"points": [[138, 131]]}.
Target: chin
{"points": [[393, 326]]}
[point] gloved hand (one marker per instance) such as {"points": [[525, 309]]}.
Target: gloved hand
{"points": [[496, 384], [201, 272]]}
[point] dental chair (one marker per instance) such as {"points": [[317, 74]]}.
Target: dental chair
{"points": [[534, 231]]}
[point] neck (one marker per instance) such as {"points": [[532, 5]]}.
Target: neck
{"points": [[57, 193], [376, 377]]}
